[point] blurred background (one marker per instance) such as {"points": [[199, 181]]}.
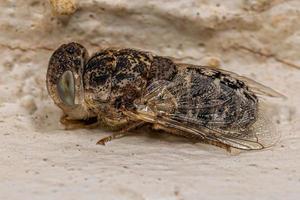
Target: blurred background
{"points": [[39, 159]]}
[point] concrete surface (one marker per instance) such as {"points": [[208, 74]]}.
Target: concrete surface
{"points": [[40, 160]]}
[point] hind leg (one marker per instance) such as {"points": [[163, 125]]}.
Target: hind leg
{"points": [[192, 137]]}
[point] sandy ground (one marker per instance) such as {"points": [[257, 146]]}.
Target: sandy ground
{"points": [[41, 160]]}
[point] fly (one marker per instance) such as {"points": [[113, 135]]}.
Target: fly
{"points": [[125, 89]]}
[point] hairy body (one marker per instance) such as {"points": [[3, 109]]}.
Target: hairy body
{"points": [[121, 87], [116, 78]]}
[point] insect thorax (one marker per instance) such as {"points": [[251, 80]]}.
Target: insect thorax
{"points": [[118, 77]]}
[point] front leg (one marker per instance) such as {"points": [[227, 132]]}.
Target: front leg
{"points": [[123, 132], [71, 124]]}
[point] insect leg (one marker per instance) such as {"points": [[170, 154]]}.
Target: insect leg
{"points": [[71, 124], [218, 144], [123, 132], [192, 137], [178, 132]]}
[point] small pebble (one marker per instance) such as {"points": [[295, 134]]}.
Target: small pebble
{"points": [[63, 7], [211, 61]]}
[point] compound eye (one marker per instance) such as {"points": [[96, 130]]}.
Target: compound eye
{"points": [[66, 88]]}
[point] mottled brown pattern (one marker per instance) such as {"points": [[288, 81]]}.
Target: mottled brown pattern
{"points": [[213, 99], [68, 57], [110, 74], [127, 88], [163, 68]]}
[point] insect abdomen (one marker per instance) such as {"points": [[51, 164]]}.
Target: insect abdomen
{"points": [[210, 98]]}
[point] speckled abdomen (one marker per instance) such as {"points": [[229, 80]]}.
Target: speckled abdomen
{"points": [[210, 98]]}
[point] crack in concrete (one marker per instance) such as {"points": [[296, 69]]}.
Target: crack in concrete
{"points": [[267, 55], [238, 47], [26, 48]]}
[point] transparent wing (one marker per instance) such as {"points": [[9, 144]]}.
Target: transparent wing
{"points": [[256, 87], [158, 108], [261, 134]]}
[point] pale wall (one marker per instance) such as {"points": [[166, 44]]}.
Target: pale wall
{"points": [[40, 160]]}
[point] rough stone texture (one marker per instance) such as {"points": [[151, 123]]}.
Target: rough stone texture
{"points": [[40, 160]]}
